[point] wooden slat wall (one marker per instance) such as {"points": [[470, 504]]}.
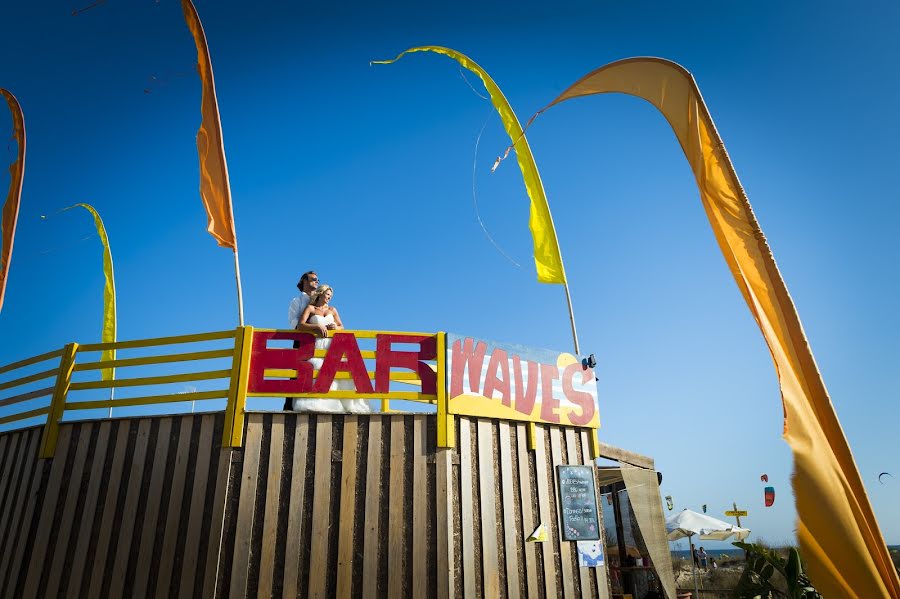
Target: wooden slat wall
{"points": [[333, 505], [503, 492], [119, 511], [311, 506]]}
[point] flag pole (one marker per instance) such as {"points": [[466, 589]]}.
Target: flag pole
{"points": [[572, 318], [240, 295]]}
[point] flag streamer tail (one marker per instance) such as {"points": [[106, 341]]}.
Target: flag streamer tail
{"points": [[10, 213], [215, 188], [108, 329], [838, 533], [547, 258]]}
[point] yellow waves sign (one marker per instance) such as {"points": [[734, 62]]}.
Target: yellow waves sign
{"points": [[497, 380]]}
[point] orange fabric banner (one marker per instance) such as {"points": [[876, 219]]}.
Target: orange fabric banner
{"points": [[214, 186], [839, 536], [10, 212]]}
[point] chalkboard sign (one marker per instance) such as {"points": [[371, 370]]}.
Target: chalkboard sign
{"points": [[578, 503]]}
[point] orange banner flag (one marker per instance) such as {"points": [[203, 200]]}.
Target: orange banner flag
{"points": [[838, 533], [215, 189], [11, 207]]}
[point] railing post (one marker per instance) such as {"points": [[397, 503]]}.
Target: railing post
{"points": [[233, 431], [58, 403], [446, 431]]}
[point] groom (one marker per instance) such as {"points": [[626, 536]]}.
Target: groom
{"points": [[307, 284]]}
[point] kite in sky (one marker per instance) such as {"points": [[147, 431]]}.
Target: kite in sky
{"points": [[764, 478], [770, 496], [882, 474]]}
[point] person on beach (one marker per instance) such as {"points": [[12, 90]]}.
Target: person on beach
{"points": [[695, 555], [308, 283], [703, 559], [321, 313]]}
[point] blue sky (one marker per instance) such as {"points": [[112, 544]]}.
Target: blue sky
{"points": [[366, 174]]}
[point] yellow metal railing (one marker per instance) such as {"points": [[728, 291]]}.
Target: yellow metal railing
{"points": [[22, 381], [66, 379]]}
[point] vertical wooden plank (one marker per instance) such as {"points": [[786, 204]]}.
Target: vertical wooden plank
{"points": [[489, 560], [396, 515], [572, 457], [65, 524], [446, 557], [151, 509], [270, 517], [240, 567], [565, 547], [600, 574], [129, 514], [321, 522], [465, 500], [38, 559], [5, 480], [20, 526], [543, 494], [173, 513], [191, 559], [7, 459], [97, 565], [85, 529], [373, 508], [419, 522], [528, 520], [507, 494], [347, 518], [295, 508], [217, 523], [9, 526]]}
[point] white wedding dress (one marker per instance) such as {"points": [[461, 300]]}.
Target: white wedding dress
{"points": [[332, 406]]}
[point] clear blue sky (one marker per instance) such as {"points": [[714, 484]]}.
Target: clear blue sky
{"points": [[365, 173]]}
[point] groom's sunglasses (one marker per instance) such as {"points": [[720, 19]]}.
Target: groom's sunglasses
{"points": [[313, 280]]}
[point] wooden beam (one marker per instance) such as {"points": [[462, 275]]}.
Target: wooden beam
{"points": [[620, 455]]}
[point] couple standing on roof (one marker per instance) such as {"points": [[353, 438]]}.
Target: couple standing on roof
{"points": [[312, 312]]}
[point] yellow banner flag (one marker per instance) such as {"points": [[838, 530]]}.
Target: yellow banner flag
{"points": [[108, 330], [215, 189], [837, 529], [10, 212], [547, 258]]}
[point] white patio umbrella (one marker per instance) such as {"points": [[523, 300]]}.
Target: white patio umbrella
{"points": [[688, 523]]}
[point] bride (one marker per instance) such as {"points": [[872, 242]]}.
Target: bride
{"points": [[321, 314]]}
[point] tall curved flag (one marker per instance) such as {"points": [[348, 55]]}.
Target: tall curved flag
{"points": [[547, 259], [108, 331], [215, 189], [10, 212], [837, 529]]}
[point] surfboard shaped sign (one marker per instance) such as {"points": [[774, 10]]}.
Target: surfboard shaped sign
{"points": [[515, 382]]}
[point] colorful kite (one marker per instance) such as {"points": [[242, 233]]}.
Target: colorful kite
{"points": [[764, 478], [10, 213], [669, 503], [770, 496], [837, 529]]}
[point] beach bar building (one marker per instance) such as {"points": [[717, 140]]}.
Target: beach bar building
{"points": [[164, 467]]}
